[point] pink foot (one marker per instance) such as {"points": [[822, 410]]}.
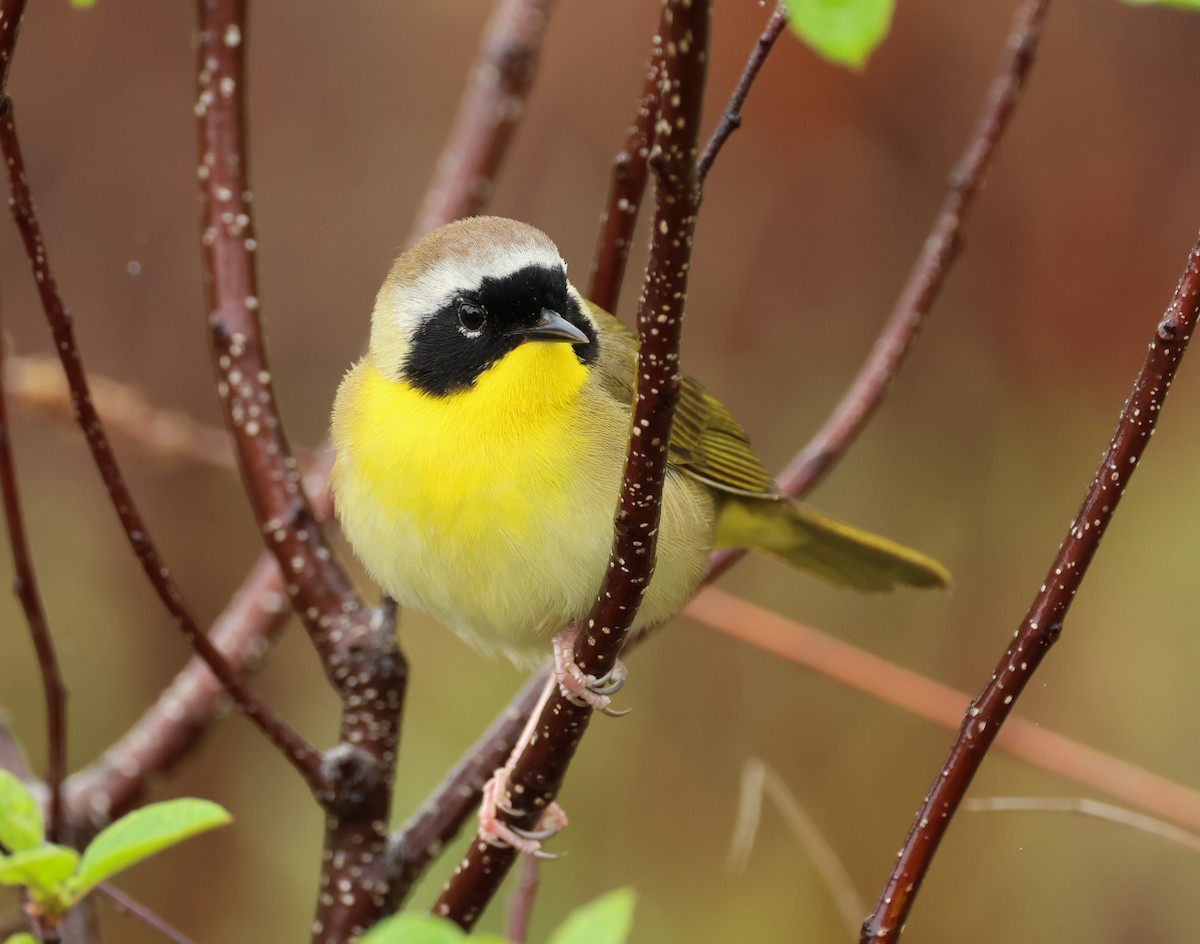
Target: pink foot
{"points": [[497, 833], [580, 689]]}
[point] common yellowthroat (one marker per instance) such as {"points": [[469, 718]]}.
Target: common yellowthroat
{"points": [[481, 442]]}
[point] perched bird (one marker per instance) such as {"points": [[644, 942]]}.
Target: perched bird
{"points": [[480, 445], [481, 442]]}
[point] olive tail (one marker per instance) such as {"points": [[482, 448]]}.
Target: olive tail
{"points": [[824, 546]]}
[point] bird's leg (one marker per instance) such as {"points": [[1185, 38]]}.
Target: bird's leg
{"points": [[492, 829], [578, 688]]}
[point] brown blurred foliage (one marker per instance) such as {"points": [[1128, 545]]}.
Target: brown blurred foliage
{"points": [[812, 216]]}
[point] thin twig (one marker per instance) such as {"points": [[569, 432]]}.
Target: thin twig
{"points": [[866, 672], [1087, 807], [625, 190], [1043, 623], [759, 778], [491, 109], [26, 588], [140, 912], [942, 247], [520, 906], [37, 382], [294, 747], [538, 772], [731, 118]]}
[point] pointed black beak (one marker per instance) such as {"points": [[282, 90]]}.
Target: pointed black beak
{"points": [[551, 326]]}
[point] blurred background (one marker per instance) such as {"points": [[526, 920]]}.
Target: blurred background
{"points": [[811, 220]]}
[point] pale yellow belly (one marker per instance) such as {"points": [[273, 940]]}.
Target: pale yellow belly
{"points": [[501, 530]]}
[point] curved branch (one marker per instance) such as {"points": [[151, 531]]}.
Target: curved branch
{"points": [[942, 247], [491, 109], [731, 118], [357, 646], [247, 628], [625, 189], [299, 753], [26, 588]]}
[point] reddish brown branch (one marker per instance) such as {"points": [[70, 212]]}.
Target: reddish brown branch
{"points": [[452, 801], [942, 247], [625, 189], [731, 118], [538, 772], [321, 593], [11, 14], [491, 109], [248, 626], [298, 752], [1043, 623], [358, 648], [26, 588]]}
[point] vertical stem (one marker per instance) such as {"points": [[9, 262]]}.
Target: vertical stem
{"points": [[26, 588], [538, 773]]}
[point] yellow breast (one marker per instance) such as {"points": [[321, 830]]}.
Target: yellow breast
{"points": [[471, 506], [491, 509]]}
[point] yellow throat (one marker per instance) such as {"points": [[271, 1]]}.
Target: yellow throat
{"points": [[459, 504]]}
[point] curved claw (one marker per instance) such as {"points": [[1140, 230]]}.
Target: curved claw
{"points": [[611, 681], [586, 691], [537, 835], [496, 833]]}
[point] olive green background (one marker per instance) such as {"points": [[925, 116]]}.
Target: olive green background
{"points": [[811, 220]]}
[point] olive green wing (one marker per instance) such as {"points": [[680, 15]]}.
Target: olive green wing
{"points": [[706, 441]]}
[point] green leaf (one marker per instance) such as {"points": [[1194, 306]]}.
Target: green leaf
{"points": [[606, 920], [412, 928], [20, 817], [140, 834], [1182, 4], [843, 31], [81, 4], [22, 938], [42, 868]]}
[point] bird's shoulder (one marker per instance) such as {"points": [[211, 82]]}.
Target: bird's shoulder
{"points": [[707, 443]]}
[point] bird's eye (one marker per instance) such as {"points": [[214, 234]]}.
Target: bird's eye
{"points": [[471, 316]]}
